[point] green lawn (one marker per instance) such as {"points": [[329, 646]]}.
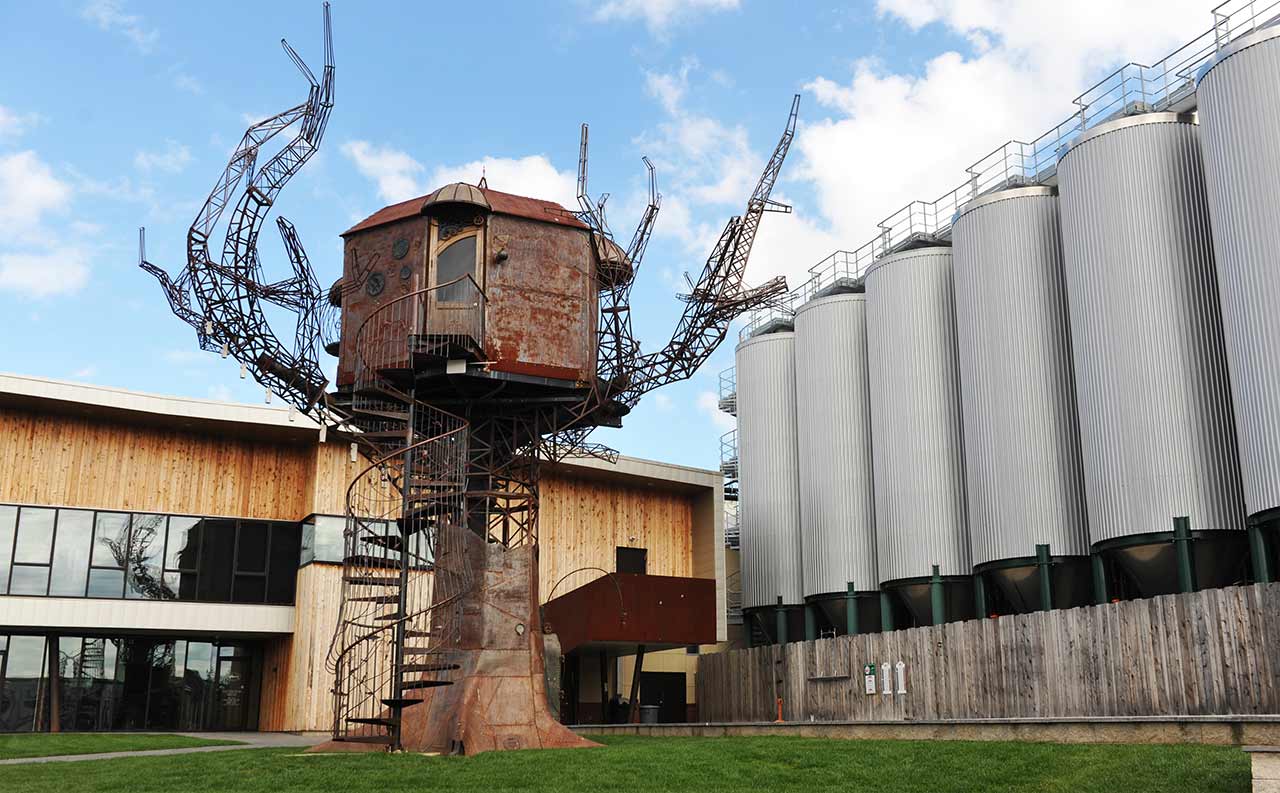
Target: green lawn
{"points": [[630, 763], [37, 744]]}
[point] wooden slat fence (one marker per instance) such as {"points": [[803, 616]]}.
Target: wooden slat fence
{"points": [[1210, 652]]}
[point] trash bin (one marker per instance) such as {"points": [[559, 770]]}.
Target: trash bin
{"points": [[648, 714]]}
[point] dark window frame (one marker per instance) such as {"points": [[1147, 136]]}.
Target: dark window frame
{"points": [[273, 529]]}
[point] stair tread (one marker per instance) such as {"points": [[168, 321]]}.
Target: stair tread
{"points": [[377, 599], [372, 580], [377, 721], [365, 560], [366, 739], [391, 702], [410, 684], [412, 668]]}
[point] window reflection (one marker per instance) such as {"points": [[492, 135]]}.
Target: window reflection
{"points": [[78, 553], [22, 685], [145, 578], [8, 520], [71, 553]]}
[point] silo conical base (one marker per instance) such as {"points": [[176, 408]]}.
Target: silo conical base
{"points": [[913, 600], [832, 612], [1146, 565], [762, 623], [1013, 585]]}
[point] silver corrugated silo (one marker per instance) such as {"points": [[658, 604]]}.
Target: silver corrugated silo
{"points": [[833, 417], [769, 485], [1024, 484], [915, 423], [1239, 101], [1156, 427]]}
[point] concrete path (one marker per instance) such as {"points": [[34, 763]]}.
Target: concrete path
{"points": [[249, 740]]}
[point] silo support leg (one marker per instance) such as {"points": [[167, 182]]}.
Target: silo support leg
{"points": [[1258, 553], [1182, 541], [850, 611], [1099, 578], [980, 595], [780, 622], [886, 612], [1045, 567], [937, 598]]}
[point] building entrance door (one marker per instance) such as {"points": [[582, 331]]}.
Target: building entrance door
{"points": [[232, 701]]}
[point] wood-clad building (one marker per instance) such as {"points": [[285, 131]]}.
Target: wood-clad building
{"points": [[178, 561]]}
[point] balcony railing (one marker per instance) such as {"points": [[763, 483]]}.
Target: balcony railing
{"points": [[728, 400], [1168, 84]]}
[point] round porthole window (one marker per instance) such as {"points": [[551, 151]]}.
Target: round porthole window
{"points": [[376, 283], [400, 248]]}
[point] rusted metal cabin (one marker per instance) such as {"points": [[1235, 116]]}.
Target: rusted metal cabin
{"points": [[516, 279]]}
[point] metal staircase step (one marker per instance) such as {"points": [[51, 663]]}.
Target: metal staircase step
{"points": [[414, 668], [394, 615], [399, 704], [389, 541], [420, 650], [377, 599], [371, 580], [412, 634], [364, 560], [379, 722], [411, 684]]}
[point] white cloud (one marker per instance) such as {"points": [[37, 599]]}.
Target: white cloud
{"points": [[172, 159], [185, 82], [399, 176], [85, 373], [534, 176], [28, 190], [395, 172], [221, 393], [14, 124], [709, 406], [662, 402], [891, 138], [109, 15], [659, 15], [44, 274]]}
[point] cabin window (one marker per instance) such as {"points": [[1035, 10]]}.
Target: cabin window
{"points": [[454, 261], [632, 560]]}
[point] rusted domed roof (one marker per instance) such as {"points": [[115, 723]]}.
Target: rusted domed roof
{"points": [[454, 194]]}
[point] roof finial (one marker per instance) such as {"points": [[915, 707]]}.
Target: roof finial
{"points": [[484, 182]]}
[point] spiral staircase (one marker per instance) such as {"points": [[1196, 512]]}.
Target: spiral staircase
{"points": [[404, 568]]}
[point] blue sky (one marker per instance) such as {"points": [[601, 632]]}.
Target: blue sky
{"points": [[115, 115]]}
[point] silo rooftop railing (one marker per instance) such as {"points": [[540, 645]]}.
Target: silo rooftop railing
{"points": [[1167, 85]]}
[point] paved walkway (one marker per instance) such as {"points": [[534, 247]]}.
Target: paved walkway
{"points": [[249, 740]]}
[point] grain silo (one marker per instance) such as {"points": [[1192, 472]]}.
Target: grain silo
{"points": [[1024, 485], [1239, 100], [922, 543], [769, 485], [1156, 428], [833, 416]]}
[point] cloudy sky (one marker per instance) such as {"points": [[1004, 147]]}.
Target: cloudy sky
{"points": [[116, 114]]}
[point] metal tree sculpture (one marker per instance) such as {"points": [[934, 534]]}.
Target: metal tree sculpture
{"points": [[442, 477]]}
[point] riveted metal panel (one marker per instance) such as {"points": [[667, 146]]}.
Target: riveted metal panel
{"points": [[1024, 483], [915, 416], [833, 417], [769, 500], [1156, 429], [1239, 103]]}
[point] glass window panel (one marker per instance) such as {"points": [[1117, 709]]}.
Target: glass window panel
{"points": [[183, 549], [217, 549], [329, 538], [250, 589], [8, 519], [455, 261], [71, 553], [146, 550], [35, 535], [251, 549], [282, 574], [23, 673], [307, 550], [106, 583], [164, 701], [197, 682], [111, 539], [29, 580]]}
